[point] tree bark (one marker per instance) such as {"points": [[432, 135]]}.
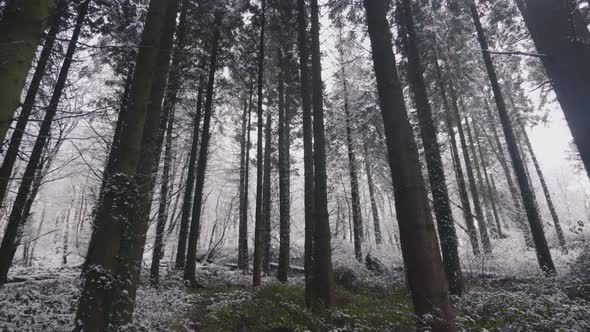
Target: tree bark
{"points": [[374, 209], [259, 221], [191, 256], [542, 249], [17, 135], [434, 164], [243, 227], [424, 268], [21, 28], [284, 180], [324, 276], [565, 44], [266, 207], [11, 238]]}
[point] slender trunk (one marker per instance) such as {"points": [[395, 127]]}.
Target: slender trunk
{"points": [[66, 239], [190, 181], [243, 232], [308, 170], [357, 218], [191, 256], [463, 194], [374, 209], [17, 135], [284, 181], [266, 192], [324, 276], [542, 249], [424, 268], [21, 28], [104, 306], [259, 221], [565, 45], [434, 164], [11, 238]]}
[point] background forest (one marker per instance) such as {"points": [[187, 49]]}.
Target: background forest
{"points": [[365, 165]]}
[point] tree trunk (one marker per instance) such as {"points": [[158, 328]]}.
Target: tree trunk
{"points": [[357, 218], [374, 209], [284, 180], [66, 239], [190, 181], [565, 44], [17, 135], [266, 207], [542, 249], [243, 231], [191, 256], [104, 306], [434, 164], [308, 170], [463, 194], [21, 28], [11, 238], [424, 268], [324, 276], [259, 221]]}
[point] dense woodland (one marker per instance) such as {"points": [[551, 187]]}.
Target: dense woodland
{"points": [[283, 165]]}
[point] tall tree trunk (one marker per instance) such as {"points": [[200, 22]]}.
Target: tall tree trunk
{"points": [[243, 231], [284, 180], [424, 268], [17, 135], [434, 164], [259, 221], [480, 185], [308, 170], [463, 194], [66, 239], [374, 209], [166, 126], [266, 207], [565, 45], [191, 256], [21, 28], [488, 187], [542, 249], [357, 218], [487, 247], [103, 306], [324, 275], [190, 181], [11, 238]]}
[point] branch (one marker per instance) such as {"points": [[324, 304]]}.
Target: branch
{"points": [[537, 55]]}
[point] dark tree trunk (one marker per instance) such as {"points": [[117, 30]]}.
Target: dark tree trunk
{"points": [[259, 222], [21, 124], [542, 249], [284, 181], [565, 44], [434, 164], [463, 193], [266, 207], [357, 218], [243, 231], [107, 306], [174, 83], [308, 170], [191, 256], [323, 273], [374, 209], [424, 268], [21, 28], [11, 238], [190, 181]]}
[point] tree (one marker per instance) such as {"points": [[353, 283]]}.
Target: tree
{"points": [[11, 238], [244, 183], [21, 28], [424, 268], [565, 52], [541, 247], [428, 131], [371, 185]]}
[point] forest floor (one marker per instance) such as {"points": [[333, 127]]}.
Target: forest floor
{"points": [[45, 299]]}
